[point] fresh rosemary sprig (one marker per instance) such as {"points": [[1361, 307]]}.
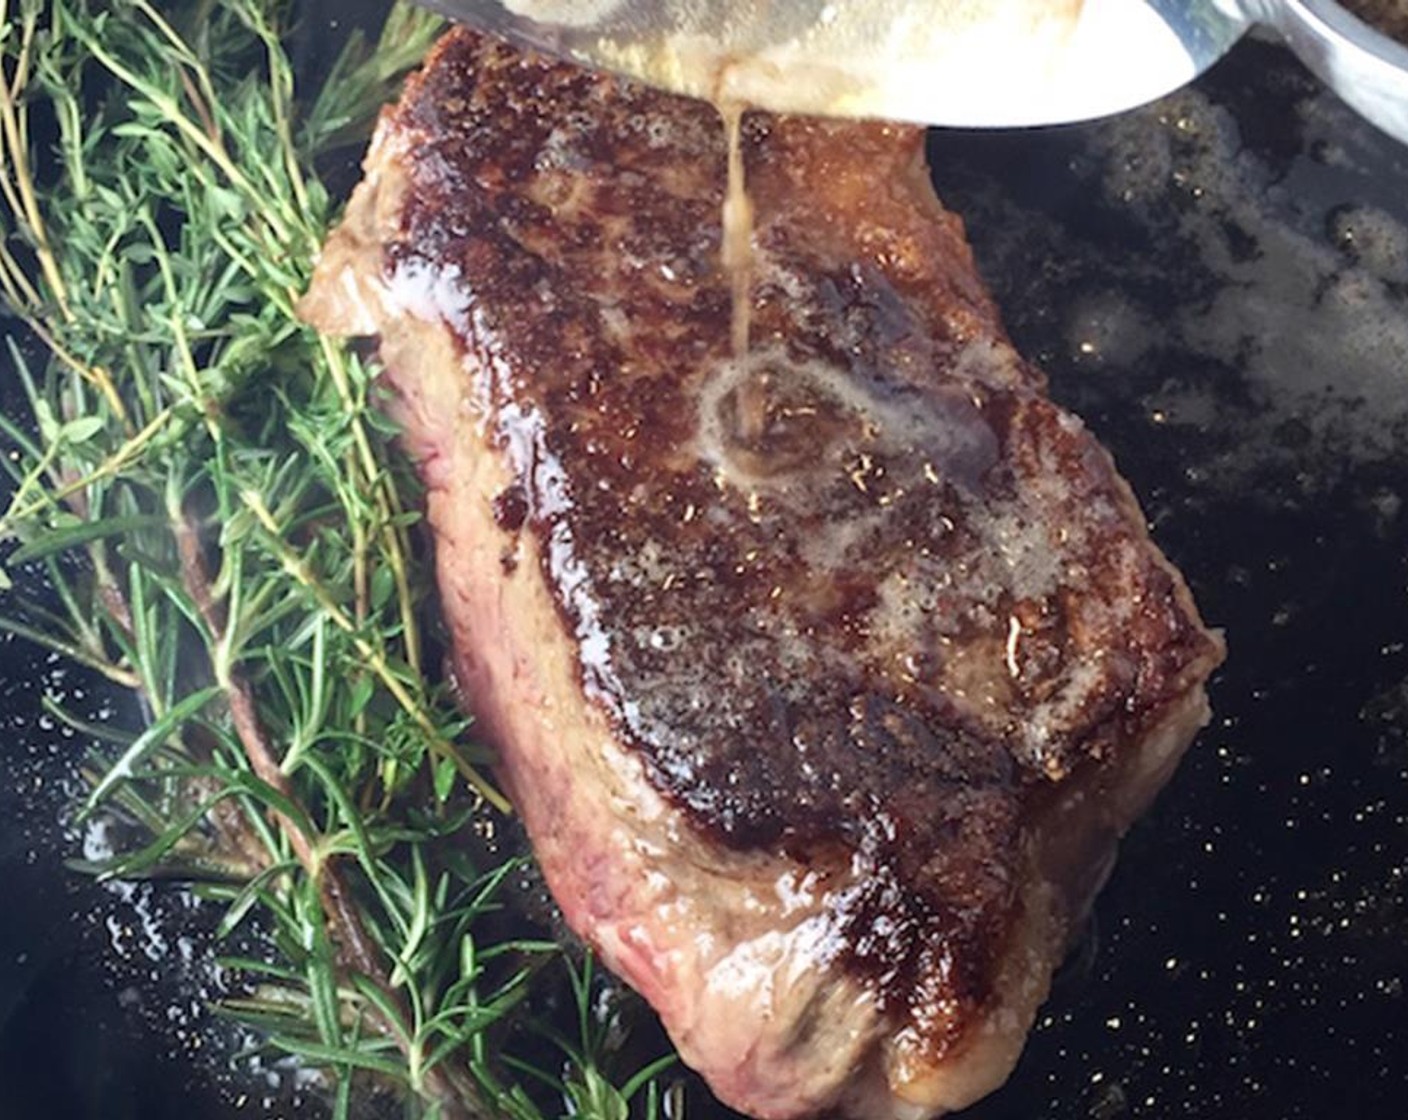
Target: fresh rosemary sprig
{"points": [[215, 507]]}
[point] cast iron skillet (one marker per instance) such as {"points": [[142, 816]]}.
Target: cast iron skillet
{"points": [[1219, 285]]}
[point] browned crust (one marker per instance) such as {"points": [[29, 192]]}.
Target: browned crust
{"points": [[564, 228]]}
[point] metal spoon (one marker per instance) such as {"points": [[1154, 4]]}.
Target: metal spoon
{"points": [[972, 63]]}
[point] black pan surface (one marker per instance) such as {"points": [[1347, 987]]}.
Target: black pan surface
{"points": [[1218, 284]]}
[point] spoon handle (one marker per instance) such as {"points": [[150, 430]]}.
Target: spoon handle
{"points": [[1366, 68]]}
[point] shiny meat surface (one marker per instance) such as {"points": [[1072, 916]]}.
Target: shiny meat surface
{"points": [[825, 678]]}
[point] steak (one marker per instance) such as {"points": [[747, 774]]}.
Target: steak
{"points": [[824, 678]]}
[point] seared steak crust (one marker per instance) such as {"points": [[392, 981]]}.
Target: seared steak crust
{"points": [[864, 601]]}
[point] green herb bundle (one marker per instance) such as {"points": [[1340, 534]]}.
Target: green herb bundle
{"points": [[223, 527]]}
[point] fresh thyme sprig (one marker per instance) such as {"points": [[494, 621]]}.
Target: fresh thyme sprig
{"points": [[216, 509]]}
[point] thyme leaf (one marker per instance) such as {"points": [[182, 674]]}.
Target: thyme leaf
{"points": [[204, 507]]}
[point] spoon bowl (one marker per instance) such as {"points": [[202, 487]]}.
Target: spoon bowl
{"points": [[967, 63]]}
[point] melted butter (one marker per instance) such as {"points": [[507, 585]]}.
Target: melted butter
{"points": [[774, 422], [737, 228], [896, 59], [771, 61]]}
